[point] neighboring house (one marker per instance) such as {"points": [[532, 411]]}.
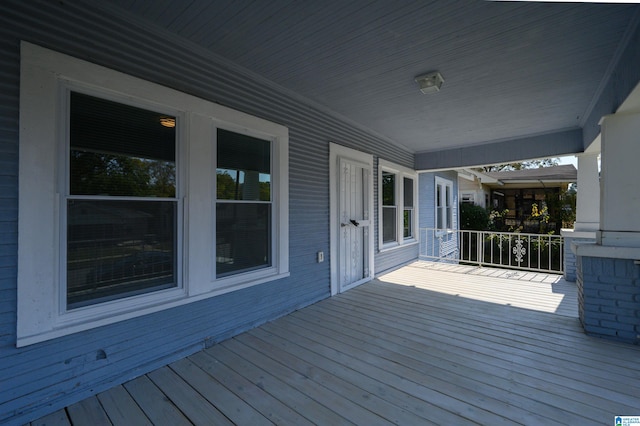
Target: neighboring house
{"points": [[173, 174], [517, 191]]}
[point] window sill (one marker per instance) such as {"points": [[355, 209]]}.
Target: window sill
{"points": [[91, 318], [396, 246]]}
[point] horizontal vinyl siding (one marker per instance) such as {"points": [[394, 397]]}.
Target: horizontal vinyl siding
{"points": [[388, 259], [40, 378], [427, 198], [391, 259]]}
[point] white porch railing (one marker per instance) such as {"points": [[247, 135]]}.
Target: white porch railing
{"points": [[531, 252]]}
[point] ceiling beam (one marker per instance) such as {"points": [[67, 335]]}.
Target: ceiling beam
{"points": [[565, 142], [621, 78]]}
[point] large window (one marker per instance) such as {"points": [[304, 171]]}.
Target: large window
{"points": [[444, 203], [397, 193], [120, 226], [136, 198]]}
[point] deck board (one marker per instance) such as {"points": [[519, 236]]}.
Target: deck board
{"points": [[231, 405], [88, 412], [156, 406], [425, 344], [121, 408], [259, 399], [57, 418]]}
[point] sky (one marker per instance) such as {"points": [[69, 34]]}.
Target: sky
{"points": [[572, 159]]}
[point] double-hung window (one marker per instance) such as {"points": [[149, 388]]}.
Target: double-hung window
{"points": [[397, 197], [444, 203], [136, 198], [120, 213]]}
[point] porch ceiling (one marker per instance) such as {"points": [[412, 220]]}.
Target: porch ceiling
{"points": [[511, 69]]}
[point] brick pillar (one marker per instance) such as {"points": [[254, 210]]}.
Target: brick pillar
{"points": [[609, 297]]}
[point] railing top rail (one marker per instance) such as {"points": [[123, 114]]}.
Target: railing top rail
{"points": [[522, 234]]}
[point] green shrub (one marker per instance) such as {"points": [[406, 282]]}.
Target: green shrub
{"points": [[473, 217]]}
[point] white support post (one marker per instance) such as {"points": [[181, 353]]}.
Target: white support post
{"points": [[620, 186], [588, 200]]}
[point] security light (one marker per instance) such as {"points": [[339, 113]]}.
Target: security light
{"points": [[430, 83]]}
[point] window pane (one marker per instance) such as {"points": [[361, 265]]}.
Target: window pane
{"points": [[119, 248], [244, 167], [408, 223], [408, 192], [388, 224], [449, 209], [439, 214], [243, 237], [120, 150], [388, 189]]}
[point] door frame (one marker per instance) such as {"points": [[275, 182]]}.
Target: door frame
{"points": [[336, 153]]}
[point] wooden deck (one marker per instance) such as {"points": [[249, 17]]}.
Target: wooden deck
{"points": [[426, 344]]}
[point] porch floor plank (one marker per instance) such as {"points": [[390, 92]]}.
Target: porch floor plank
{"points": [[231, 405], [259, 399], [121, 408], [193, 405], [156, 406], [425, 344], [477, 389], [88, 412], [57, 418]]}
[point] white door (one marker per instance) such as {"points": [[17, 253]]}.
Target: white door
{"points": [[354, 224]]}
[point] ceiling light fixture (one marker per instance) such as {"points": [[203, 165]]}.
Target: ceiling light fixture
{"points": [[430, 82], [168, 121]]}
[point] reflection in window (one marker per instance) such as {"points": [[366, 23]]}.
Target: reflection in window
{"points": [[244, 203], [444, 204], [408, 208], [121, 208], [388, 207]]}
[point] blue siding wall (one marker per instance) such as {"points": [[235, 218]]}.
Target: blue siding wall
{"points": [[427, 213], [40, 378], [388, 259], [427, 197]]}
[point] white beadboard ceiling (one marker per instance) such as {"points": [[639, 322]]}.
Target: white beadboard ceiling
{"points": [[511, 69]]}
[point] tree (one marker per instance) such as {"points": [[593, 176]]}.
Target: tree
{"points": [[94, 173], [533, 164]]}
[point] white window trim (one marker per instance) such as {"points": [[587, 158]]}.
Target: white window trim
{"points": [[401, 172], [440, 181], [46, 76]]}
